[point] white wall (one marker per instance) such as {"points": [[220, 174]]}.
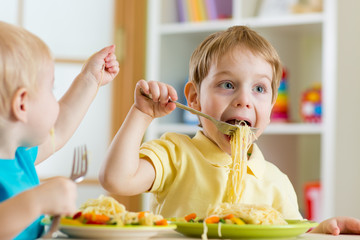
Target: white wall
{"points": [[347, 181], [73, 30]]}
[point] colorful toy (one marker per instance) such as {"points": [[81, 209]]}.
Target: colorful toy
{"points": [[311, 104], [280, 109]]}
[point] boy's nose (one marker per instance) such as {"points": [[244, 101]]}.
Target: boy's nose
{"points": [[242, 99]]}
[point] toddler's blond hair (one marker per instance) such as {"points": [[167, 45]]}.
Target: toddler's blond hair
{"points": [[22, 55], [220, 43]]}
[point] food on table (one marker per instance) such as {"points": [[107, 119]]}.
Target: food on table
{"points": [[236, 214], [107, 211], [248, 213], [239, 214]]}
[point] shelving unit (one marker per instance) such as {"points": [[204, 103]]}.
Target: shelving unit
{"points": [[305, 44]]}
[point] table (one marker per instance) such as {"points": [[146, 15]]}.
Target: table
{"points": [[307, 236]]}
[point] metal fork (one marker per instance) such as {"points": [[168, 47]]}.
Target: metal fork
{"points": [[78, 172], [223, 127]]}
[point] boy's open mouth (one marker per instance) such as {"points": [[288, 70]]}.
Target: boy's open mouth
{"points": [[237, 122]]}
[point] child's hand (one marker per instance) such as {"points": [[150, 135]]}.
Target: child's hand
{"points": [[57, 196], [105, 58], [160, 92], [338, 225]]}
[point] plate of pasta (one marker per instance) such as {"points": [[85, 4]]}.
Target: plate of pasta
{"points": [[241, 221], [104, 217], [247, 231]]}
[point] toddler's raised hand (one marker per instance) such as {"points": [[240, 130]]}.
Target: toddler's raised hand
{"points": [[160, 93], [105, 58]]}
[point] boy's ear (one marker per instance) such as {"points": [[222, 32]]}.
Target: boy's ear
{"points": [[19, 105], [191, 94]]}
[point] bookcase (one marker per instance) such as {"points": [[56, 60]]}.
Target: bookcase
{"points": [[305, 43]]}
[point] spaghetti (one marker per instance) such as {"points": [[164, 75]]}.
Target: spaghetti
{"points": [[104, 205], [240, 142], [249, 213]]}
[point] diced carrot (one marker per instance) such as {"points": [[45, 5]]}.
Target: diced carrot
{"points": [[102, 218], [161, 222], [141, 214], [212, 219], [229, 216], [96, 218], [190, 216], [88, 216]]}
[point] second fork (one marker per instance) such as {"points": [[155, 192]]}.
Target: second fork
{"points": [[78, 172]]}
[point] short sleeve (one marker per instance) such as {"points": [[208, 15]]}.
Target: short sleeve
{"points": [[161, 154]]}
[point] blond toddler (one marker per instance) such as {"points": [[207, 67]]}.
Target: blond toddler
{"points": [[28, 112]]}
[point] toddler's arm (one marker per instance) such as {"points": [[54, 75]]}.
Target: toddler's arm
{"points": [[55, 197], [338, 225], [122, 171], [100, 69]]}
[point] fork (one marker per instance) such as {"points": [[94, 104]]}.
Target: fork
{"points": [[223, 127], [78, 172]]}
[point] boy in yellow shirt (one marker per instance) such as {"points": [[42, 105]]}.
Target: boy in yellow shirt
{"points": [[234, 75]]}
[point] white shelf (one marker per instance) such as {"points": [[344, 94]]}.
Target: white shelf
{"points": [[256, 22], [294, 128], [272, 129]]}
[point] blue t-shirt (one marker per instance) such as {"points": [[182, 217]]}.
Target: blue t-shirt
{"points": [[16, 176]]}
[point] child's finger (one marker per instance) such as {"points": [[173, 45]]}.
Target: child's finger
{"points": [[111, 64], [170, 107], [111, 57], [164, 94], [154, 91], [103, 53], [114, 69], [143, 85], [172, 93], [332, 227]]}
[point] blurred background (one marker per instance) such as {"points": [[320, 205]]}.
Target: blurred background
{"points": [[313, 134]]}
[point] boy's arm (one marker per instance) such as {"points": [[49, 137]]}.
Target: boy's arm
{"points": [[338, 225], [76, 101], [58, 196], [122, 171], [18, 213]]}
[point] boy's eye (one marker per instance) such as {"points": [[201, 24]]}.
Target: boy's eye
{"points": [[227, 85], [259, 89]]}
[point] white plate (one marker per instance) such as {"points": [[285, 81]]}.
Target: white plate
{"points": [[101, 232]]}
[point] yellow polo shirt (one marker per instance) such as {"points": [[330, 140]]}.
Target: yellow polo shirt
{"points": [[191, 174]]}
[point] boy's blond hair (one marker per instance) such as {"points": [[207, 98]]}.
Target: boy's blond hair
{"points": [[22, 55], [220, 43]]}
